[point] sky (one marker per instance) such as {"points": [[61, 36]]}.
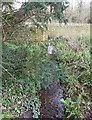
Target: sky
{"points": [[72, 2]]}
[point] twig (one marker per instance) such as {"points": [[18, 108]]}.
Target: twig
{"points": [[8, 72]]}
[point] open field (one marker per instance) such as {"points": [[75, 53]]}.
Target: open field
{"points": [[70, 30]]}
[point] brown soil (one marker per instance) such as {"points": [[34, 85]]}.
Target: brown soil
{"points": [[51, 106], [50, 98]]}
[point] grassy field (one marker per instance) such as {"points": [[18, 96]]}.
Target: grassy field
{"points": [[70, 30]]}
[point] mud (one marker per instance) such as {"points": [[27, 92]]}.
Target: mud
{"points": [[51, 106]]}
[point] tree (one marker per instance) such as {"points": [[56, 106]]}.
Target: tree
{"points": [[80, 6], [39, 13]]}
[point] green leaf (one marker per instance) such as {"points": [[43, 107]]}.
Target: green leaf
{"points": [[17, 110], [66, 102], [79, 99]]}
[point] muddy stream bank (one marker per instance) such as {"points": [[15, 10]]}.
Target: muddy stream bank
{"points": [[51, 106]]}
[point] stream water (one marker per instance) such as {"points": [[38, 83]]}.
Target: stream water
{"points": [[51, 106]]}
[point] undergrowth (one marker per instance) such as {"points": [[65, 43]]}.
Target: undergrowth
{"points": [[27, 69], [78, 79]]}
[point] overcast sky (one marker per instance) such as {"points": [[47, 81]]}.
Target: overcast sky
{"points": [[72, 2]]}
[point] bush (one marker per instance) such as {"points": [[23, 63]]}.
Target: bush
{"points": [[26, 70]]}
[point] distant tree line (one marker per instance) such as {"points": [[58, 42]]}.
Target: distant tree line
{"points": [[81, 13]]}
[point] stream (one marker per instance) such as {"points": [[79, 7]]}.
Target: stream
{"points": [[51, 106]]}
